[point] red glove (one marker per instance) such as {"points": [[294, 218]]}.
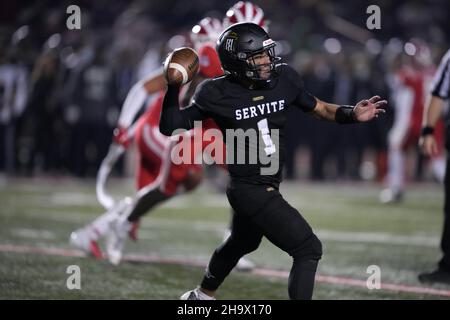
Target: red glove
{"points": [[120, 136]]}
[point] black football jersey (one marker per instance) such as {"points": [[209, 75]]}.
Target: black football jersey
{"points": [[247, 112]]}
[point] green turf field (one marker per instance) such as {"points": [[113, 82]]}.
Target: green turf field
{"points": [[179, 237]]}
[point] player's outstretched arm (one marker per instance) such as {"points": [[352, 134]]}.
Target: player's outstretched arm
{"points": [[133, 103], [364, 111], [137, 95]]}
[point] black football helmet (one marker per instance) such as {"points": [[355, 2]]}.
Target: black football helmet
{"points": [[238, 44]]}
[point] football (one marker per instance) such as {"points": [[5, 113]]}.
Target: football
{"points": [[181, 66]]}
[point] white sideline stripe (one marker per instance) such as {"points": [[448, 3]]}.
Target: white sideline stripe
{"points": [[374, 237], [68, 199], [323, 234], [33, 233], [44, 251], [180, 68], [257, 271]]}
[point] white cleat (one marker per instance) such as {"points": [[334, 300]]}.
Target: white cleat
{"points": [[82, 240], [245, 265], [116, 238], [391, 196], [196, 294]]}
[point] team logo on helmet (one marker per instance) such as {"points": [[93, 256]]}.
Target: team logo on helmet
{"points": [[229, 44]]}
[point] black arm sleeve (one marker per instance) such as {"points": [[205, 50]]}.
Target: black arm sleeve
{"points": [[304, 100], [173, 118]]}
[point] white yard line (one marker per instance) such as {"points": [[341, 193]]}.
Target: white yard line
{"points": [[323, 234], [33, 233], [71, 199], [219, 227], [378, 237]]}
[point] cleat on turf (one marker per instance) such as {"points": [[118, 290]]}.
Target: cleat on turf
{"points": [[116, 238], [388, 196], [196, 294], [80, 239], [436, 276]]}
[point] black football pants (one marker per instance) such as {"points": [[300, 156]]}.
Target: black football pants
{"points": [[260, 210], [445, 240]]}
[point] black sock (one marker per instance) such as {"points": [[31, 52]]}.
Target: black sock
{"points": [[301, 279]]}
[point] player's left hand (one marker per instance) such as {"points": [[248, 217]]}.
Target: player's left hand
{"points": [[120, 136], [366, 110]]}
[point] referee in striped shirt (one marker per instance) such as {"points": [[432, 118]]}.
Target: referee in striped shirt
{"points": [[440, 92]]}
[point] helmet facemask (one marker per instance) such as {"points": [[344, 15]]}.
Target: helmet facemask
{"points": [[253, 68]]}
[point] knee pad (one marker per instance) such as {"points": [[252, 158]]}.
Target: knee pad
{"points": [[316, 245], [311, 249]]}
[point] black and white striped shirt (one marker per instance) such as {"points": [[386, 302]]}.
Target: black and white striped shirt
{"points": [[441, 82]]}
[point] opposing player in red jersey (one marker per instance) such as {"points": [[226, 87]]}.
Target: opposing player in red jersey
{"points": [[409, 86]]}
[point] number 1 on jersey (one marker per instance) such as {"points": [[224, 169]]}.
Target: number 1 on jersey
{"points": [[263, 126]]}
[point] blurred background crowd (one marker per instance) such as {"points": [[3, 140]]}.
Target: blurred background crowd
{"points": [[61, 90]]}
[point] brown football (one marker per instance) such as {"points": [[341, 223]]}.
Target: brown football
{"points": [[181, 66]]}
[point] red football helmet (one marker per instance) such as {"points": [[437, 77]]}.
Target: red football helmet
{"points": [[419, 51], [210, 66], [207, 31], [245, 11]]}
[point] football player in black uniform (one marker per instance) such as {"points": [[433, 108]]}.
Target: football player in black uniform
{"points": [[254, 96]]}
